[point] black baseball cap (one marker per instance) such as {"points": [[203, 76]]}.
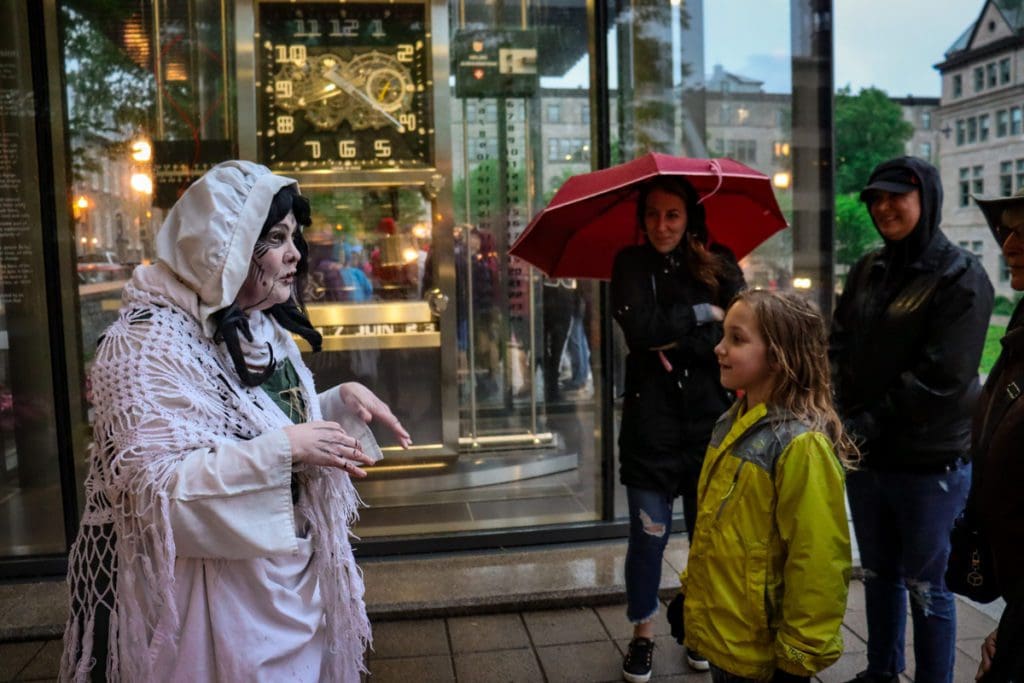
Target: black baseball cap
{"points": [[897, 180]]}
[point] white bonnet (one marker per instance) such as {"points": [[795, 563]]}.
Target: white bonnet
{"points": [[209, 234]]}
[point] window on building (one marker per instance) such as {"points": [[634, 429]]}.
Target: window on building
{"points": [[990, 71], [972, 129], [962, 244], [925, 151], [725, 114], [926, 120], [554, 110], [977, 247], [983, 127], [1020, 174], [1004, 70], [1015, 121], [979, 79], [1002, 123], [1006, 178], [780, 150], [958, 85], [553, 149], [978, 180], [965, 187], [585, 114], [961, 132], [1004, 270], [742, 150]]}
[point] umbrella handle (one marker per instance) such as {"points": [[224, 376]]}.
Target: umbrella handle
{"points": [[717, 168]]}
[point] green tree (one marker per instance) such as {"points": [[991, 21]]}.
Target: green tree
{"points": [[484, 201], [869, 129], [855, 233]]}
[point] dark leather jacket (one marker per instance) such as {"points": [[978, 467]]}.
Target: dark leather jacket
{"points": [[999, 468], [667, 416], [906, 342]]}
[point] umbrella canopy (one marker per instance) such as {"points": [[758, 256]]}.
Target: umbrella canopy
{"points": [[593, 215], [994, 209]]}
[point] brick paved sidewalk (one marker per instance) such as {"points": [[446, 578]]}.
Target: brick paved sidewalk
{"points": [[562, 645], [587, 645]]}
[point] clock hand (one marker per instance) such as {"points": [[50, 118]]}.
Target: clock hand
{"points": [[323, 95], [334, 77]]}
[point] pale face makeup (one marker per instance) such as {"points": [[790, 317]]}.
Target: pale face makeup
{"points": [[272, 269]]}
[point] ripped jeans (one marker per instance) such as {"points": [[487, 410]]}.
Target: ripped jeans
{"points": [[902, 521], [650, 523]]}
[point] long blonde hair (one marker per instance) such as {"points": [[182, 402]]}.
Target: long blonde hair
{"points": [[797, 350]]}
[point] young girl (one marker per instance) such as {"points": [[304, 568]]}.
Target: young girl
{"points": [[770, 561]]}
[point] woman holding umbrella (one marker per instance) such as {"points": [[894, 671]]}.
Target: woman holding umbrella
{"points": [[668, 296]]}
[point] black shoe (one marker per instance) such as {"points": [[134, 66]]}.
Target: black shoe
{"points": [[636, 667], [865, 677], [696, 662]]}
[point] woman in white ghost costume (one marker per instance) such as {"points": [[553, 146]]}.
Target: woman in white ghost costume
{"points": [[214, 545]]}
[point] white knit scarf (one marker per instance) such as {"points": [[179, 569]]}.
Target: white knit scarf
{"points": [[162, 390]]}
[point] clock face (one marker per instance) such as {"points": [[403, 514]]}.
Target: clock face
{"points": [[344, 86]]}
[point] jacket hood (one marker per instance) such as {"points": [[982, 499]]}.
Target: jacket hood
{"points": [[209, 234], [914, 244]]}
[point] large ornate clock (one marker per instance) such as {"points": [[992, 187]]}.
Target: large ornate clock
{"points": [[344, 85]]}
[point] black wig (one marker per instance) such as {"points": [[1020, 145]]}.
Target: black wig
{"points": [[291, 315]]}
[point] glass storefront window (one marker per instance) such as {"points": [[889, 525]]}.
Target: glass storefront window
{"points": [[427, 134], [31, 501]]}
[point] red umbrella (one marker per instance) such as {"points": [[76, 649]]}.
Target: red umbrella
{"points": [[593, 215]]}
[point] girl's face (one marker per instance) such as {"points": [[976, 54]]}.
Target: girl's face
{"points": [[272, 269], [664, 220], [743, 355]]}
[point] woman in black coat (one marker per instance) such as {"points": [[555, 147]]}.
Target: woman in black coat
{"points": [[668, 297]]}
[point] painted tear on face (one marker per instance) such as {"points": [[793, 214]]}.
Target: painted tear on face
{"points": [[272, 268]]}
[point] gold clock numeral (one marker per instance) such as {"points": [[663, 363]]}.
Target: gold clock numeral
{"points": [[314, 148], [405, 53], [344, 29], [307, 28], [382, 148], [285, 124], [283, 88], [290, 54], [408, 121], [347, 149]]}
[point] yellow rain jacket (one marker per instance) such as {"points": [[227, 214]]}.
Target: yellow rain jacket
{"points": [[767, 575]]}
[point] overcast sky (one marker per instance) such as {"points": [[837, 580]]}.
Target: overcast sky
{"points": [[893, 44], [889, 44]]}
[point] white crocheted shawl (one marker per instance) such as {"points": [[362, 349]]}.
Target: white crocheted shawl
{"points": [[162, 389]]}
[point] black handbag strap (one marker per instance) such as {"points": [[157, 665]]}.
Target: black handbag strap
{"points": [[997, 408]]}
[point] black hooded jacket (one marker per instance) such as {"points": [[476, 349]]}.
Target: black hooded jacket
{"points": [[668, 415], [906, 342]]}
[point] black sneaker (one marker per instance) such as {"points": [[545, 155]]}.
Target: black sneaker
{"points": [[696, 662], [865, 677], [636, 667]]}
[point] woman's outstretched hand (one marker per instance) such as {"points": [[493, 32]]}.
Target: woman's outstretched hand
{"points": [[368, 406], [328, 445]]}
